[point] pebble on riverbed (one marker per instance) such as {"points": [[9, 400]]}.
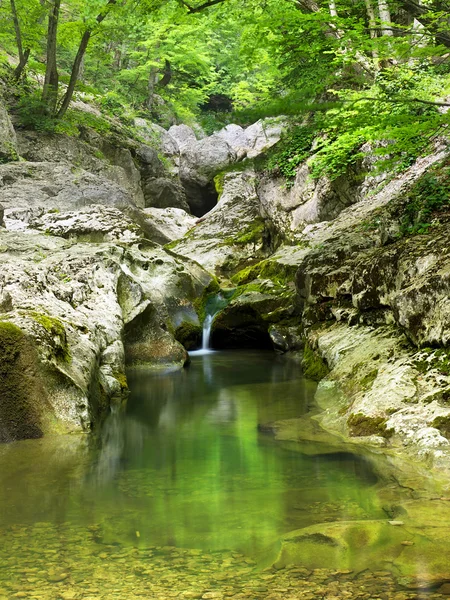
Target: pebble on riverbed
{"points": [[71, 563]]}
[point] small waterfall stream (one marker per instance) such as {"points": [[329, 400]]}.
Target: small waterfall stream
{"points": [[206, 336], [213, 306]]}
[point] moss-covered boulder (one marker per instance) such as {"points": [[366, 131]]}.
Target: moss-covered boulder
{"points": [[22, 393]]}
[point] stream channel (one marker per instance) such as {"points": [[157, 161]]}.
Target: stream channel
{"points": [[186, 494]]}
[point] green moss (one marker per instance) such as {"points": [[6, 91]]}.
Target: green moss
{"points": [[219, 183], [19, 386], [251, 235], [9, 153], [443, 425], [189, 335], [430, 358], [368, 379], [312, 364], [55, 328], [278, 273], [122, 379], [362, 425], [212, 289]]}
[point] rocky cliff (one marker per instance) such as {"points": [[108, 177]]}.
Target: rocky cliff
{"points": [[111, 244]]}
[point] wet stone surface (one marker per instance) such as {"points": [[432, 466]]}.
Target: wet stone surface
{"points": [[44, 562]]}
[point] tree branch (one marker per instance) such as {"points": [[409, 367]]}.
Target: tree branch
{"points": [[196, 9]]}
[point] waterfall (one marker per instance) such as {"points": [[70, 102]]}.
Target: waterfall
{"points": [[213, 306], [206, 336]]}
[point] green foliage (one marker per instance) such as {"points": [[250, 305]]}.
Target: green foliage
{"points": [[292, 150], [428, 201]]}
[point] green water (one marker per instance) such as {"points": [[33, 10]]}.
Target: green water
{"points": [[180, 492]]}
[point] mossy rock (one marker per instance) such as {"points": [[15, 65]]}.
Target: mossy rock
{"points": [[55, 328], [21, 391], [363, 425], [443, 425], [312, 364], [190, 335]]}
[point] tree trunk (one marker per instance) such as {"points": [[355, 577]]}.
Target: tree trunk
{"points": [[78, 63], [24, 55], [74, 74], [17, 30], [373, 29], [385, 18], [50, 91]]}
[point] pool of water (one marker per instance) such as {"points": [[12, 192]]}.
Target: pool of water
{"points": [[183, 494]]}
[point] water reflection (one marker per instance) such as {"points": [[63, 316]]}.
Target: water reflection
{"points": [[186, 465]]}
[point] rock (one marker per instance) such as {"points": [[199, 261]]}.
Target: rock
{"points": [[232, 233], [67, 304], [157, 137], [28, 190], [8, 139], [163, 192], [236, 138], [2, 213], [286, 338], [151, 165], [92, 224], [93, 154], [200, 161], [263, 134], [173, 223], [183, 135]]}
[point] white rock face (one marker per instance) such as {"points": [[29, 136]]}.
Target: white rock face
{"points": [[263, 135], [202, 159], [79, 293], [183, 135], [157, 137], [174, 223]]}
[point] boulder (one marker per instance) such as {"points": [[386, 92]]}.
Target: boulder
{"points": [[30, 189], [173, 223], [236, 138], [157, 137], [263, 134], [183, 135], [202, 159], [231, 234], [163, 192], [65, 307]]}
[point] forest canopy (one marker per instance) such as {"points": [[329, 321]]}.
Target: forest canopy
{"points": [[353, 71]]}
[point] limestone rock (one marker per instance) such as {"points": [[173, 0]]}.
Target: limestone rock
{"points": [[91, 224], [95, 155], [263, 134], [173, 223], [65, 306], [202, 159], [162, 192], [232, 233], [157, 137], [183, 135], [30, 189]]}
